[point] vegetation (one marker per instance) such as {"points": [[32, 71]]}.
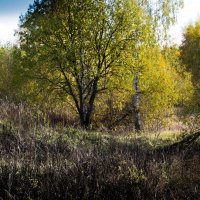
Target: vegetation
{"points": [[191, 44], [67, 106], [5, 70], [41, 162], [83, 50]]}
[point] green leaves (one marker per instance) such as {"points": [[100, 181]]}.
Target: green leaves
{"points": [[190, 50], [5, 70], [83, 49], [190, 56]]}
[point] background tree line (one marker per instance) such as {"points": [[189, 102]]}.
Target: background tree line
{"points": [[80, 56]]}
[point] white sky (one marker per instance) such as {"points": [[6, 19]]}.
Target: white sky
{"points": [[10, 10], [8, 23], [189, 14]]}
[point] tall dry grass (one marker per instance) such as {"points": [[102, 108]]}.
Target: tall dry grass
{"points": [[41, 161]]}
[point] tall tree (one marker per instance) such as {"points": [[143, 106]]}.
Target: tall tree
{"points": [[78, 46]]}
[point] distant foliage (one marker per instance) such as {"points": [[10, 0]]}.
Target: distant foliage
{"points": [[190, 56], [190, 50], [5, 70]]}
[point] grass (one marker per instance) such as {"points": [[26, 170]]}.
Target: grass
{"points": [[38, 161]]}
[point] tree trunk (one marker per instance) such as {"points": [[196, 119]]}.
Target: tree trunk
{"points": [[136, 105], [85, 117], [86, 110]]}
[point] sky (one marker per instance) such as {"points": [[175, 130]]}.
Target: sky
{"points": [[10, 10], [189, 14]]}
